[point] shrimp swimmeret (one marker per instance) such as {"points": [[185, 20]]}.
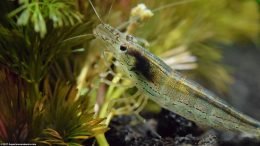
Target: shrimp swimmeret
{"points": [[169, 89]]}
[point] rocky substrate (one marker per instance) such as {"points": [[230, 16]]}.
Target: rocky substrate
{"points": [[169, 129]]}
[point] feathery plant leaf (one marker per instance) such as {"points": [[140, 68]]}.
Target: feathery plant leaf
{"points": [[61, 13], [14, 115], [56, 118], [67, 117], [31, 56]]}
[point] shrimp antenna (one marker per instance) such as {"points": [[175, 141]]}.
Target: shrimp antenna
{"points": [[155, 10], [172, 4], [95, 12], [110, 7]]}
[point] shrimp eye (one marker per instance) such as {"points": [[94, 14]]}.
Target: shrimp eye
{"points": [[123, 48]]}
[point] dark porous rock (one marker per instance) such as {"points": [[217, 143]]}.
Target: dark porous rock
{"points": [[167, 129], [185, 140], [128, 130], [173, 130], [171, 125], [209, 138], [227, 139], [145, 141]]}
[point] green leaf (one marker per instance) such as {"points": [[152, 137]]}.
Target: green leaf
{"points": [[24, 17]]}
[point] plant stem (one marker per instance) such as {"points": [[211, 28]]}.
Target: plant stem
{"points": [[101, 139]]}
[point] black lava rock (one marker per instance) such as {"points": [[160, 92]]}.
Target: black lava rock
{"points": [[171, 125]]}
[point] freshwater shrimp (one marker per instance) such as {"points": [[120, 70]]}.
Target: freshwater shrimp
{"points": [[168, 88]]}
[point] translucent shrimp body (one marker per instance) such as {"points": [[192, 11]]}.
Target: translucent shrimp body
{"points": [[170, 89]]}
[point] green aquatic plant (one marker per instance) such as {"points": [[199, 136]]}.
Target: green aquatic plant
{"points": [[56, 118], [67, 117], [39, 99], [61, 13]]}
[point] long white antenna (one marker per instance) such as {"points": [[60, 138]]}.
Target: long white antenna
{"points": [[95, 12], [172, 5], [157, 9], [110, 7]]}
